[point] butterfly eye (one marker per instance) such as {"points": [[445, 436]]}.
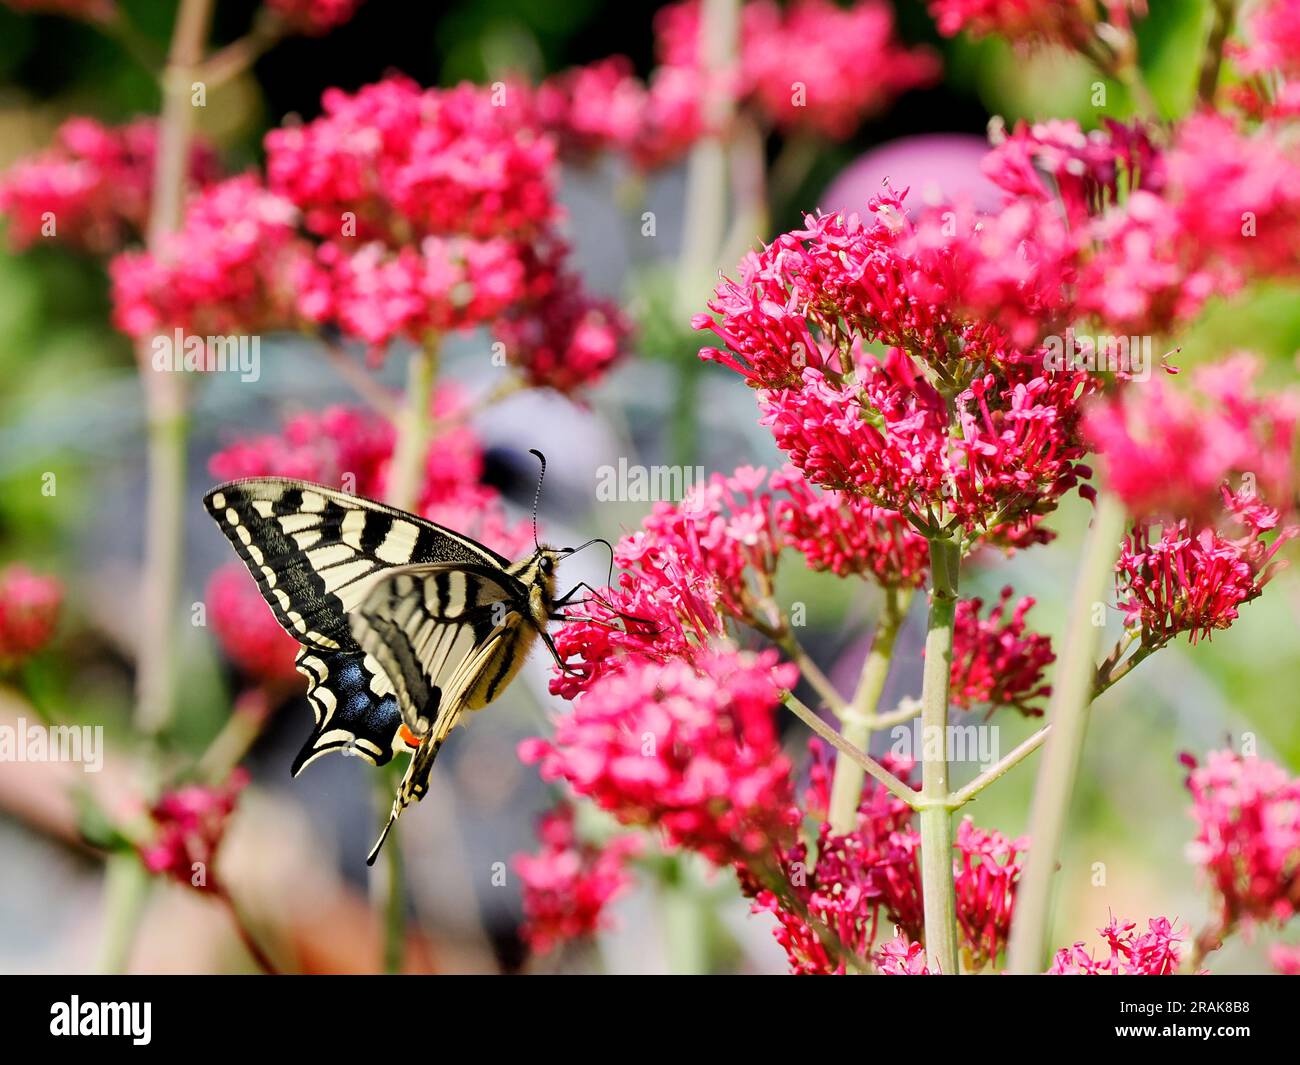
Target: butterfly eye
{"points": [[545, 565]]}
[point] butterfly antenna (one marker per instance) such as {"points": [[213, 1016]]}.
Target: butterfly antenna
{"points": [[537, 497]]}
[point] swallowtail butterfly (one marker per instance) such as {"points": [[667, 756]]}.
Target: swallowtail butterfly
{"points": [[404, 625]]}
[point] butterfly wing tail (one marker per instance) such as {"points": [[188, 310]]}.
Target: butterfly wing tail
{"points": [[414, 785]]}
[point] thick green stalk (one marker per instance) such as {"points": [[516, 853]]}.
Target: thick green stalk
{"points": [[860, 720], [1067, 716], [166, 393], [414, 429], [938, 894], [126, 893]]}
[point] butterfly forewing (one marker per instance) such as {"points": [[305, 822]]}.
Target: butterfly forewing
{"points": [[311, 549]]}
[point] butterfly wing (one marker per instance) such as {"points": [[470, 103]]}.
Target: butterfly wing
{"points": [[354, 706], [311, 550]]}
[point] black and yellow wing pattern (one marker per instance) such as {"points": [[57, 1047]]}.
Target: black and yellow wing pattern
{"points": [[404, 624]]}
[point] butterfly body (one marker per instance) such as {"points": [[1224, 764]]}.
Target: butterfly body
{"points": [[404, 625]]}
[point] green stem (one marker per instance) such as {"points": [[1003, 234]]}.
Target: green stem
{"points": [[1072, 691], [126, 891], [869, 765], [414, 426], [1223, 13], [394, 890], [999, 769], [938, 894], [860, 720], [166, 392]]}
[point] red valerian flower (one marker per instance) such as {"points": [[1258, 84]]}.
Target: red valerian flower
{"points": [[693, 753], [314, 17], [954, 418], [1175, 578], [246, 628], [1173, 450], [874, 871], [190, 827], [995, 662], [1247, 812], [899, 957], [568, 884], [813, 65], [1068, 22], [1155, 952], [236, 265], [396, 162], [988, 869], [1285, 959], [29, 612], [845, 534], [1272, 30], [556, 334], [91, 188]]}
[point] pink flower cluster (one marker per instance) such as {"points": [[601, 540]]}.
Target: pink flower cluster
{"points": [[397, 163], [874, 871], [350, 448], [91, 188], [1181, 578], [426, 211], [692, 754], [29, 612], [313, 17], [1174, 450], [810, 65], [190, 825], [1247, 813], [1155, 952], [709, 560], [237, 265], [953, 419], [1070, 22], [1273, 38], [995, 661], [568, 884]]}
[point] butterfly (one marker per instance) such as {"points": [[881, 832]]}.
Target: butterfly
{"points": [[404, 625]]}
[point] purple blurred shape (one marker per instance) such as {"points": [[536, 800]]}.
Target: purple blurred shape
{"points": [[937, 167]]}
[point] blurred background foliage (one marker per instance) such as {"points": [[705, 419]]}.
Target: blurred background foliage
{"points": [[69, 404]]}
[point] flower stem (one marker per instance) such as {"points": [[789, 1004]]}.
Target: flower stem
{"points": [[860, 719], [254, 948], [126, 892], [1067, 717], [414, 425], [938, 894], [1223, 13], [999, 769], [165, 393], [869, 765]]}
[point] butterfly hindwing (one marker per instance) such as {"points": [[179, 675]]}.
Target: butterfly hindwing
{"points": [[427, 625], [354, 706]]}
